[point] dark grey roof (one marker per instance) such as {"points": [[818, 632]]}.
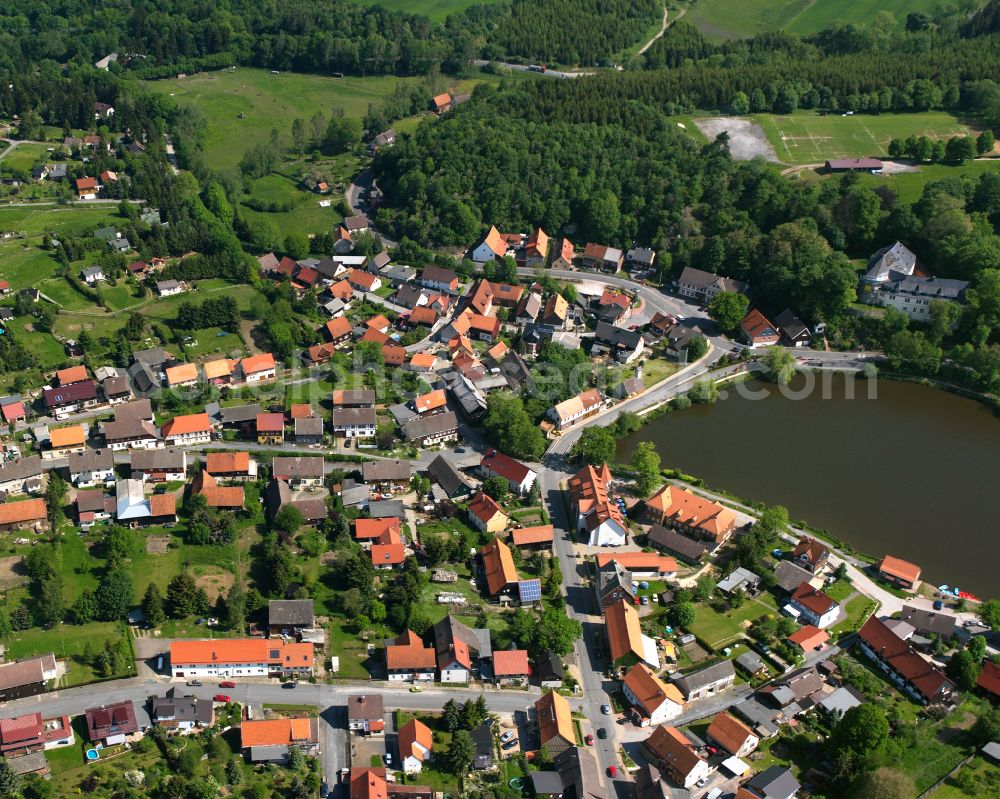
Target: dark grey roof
{"points": [[547, 783], [930, 287], [515, 370], [550, 667], [450, 629], [443, 472], [383, 508], [237, 414], [277, 753], [90, 460], [425, 426], [641, 255], [612, 577], [750, 661], [294, 612], [343, 417], [927, 621], [650, 785], [673, 541], [116, 387], [92, 500], [482, 738], [172, 458], [702, 279], [789, 324], [788, 576], [309, 426], [298, 467], [180, 708], [408, 295], [580, 773], [707, 676], [377, 471], [775, 782], [22, 469], [154, 356], [617, 336]]}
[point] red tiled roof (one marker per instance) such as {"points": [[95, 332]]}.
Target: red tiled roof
{"points": [[813, 599], [483, 507], [258, 363], [277, 732], [729, 732], [227, 462], [270, 422], [900, 569], [989, 678], [28, 511], [504, 466], [338, 328], [903, 659], [540, 534], [809, 637], [409, 652], [639, 561], [510, 662], [498, 564]]}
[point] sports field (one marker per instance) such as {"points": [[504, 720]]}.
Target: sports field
{"points": [[806, 137], [437, 10], [726, 19]]}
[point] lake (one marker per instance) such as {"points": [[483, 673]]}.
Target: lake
{"points": [[914, 473]]}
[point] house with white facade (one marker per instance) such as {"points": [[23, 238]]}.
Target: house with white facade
{"points": [[91, 467], [813, 606], [518, 476], [653, 701], [354, 422], [195, 428], [240, 657]]}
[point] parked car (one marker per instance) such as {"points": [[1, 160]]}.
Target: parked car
{"points": [[712, 750], [507, 736], [324, 790], [606, 710], [288, 685], [588, 739], [510, 744], [195, 683], [702, 782], [645, 600], [602, 733], [612, 771], [227, 684], [222, 698]]}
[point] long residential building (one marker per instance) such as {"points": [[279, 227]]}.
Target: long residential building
{"points": [[240, 657], [626, 641], [574, 409], [132, 427], [690, 514], [354, 422], [22, 476], [912, 674], [518, 476]]}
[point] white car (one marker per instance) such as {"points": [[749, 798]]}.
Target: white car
{"points": [[507, 736]]}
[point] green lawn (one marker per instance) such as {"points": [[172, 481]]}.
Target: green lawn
{"points": [[352, 651], [986, 778], [857, 609], [437, 10], [718, 629], [24, 156], [212, 341], [65, 641], [268, 101], [805, 137], [306, 216], [725, 19], [909, 186], [839, 590]]}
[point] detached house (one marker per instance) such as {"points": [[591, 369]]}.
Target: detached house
{"points": [[132, 427], [460, 650], [732, 735], [415, 741], [653, 701], [536, 249], [485, 514], [366, 714], [408, 659], [627, 644], [62, 401], [555, 723], [518, 476], [490, 247], [810, 554], [570, 411], [700, 285], [272, 740], [91, 467], [603, 258], [498, 567], [195, 428], [354, 422], [758, 331], [159, 465], [258, 368], [270, 428], [673, 753], [240, 657], [439, 279], [814, 606], [899, 572], [307, 472]]}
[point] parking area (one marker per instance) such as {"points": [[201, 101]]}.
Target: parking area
{"points": [[148, 652], [365, 749]]}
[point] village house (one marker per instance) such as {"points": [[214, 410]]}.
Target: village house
{"points": [[674, 754], [732, 735], [93, 505], [774, 782], [556, 312], [653, 701], [278, 494], [915, 295], [432, 430], [28, 514], [299, 472], [408, 659], [518, 476], [28, 677], [613, 583], [642, 565], [537, 538], [308, 430], [603, 258], [690, 514], [92, 275], [64, 441], [195, 428], [271, 740], [391, 475], [708, 681], [132, 427], [111, 724], [22, 735], [216, 496], [270, 428], [485, 514], [641, 259], [231, 466], [91, 467], [159, 466], [613, 306], [811, 554], [627, 644], [415, 742], [460, 650], [168, 288], [624, 346], [813, 606], [511, 667], [758, 331], [490, 247], [555, 723], [354, 422], [289, 617], [536, 250], [63, 400], [571, 411], [240, 657], [793, 330], [597, 513], [22, 476], [699, 285], [134, 509], [809, 638], [498, 568], [175, 711], [258, 368], [438, 278], [899, 572], [183, 375], [371, 783], [87, 188]]}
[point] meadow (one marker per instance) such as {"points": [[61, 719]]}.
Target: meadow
{"points": [[805, 137], [724, 19], [268, 102], [24, 155], [436, 10]]}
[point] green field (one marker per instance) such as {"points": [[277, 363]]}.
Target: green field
{"points": [[909, 186], [24, 155], [725, 19], [718, 629], [268, 101], [805, 137], [437, 10]]}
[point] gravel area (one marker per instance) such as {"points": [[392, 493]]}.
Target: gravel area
{"points": [[746, 138]]}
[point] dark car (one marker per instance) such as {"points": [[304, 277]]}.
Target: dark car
{"points": [[288, 685], [602, 733], [510, 744], [324, 789]]}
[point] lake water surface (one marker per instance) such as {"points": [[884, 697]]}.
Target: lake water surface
{"points": [[915, 472]]}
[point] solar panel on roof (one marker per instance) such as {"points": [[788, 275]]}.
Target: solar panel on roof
{"points": [[529, 590]]}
